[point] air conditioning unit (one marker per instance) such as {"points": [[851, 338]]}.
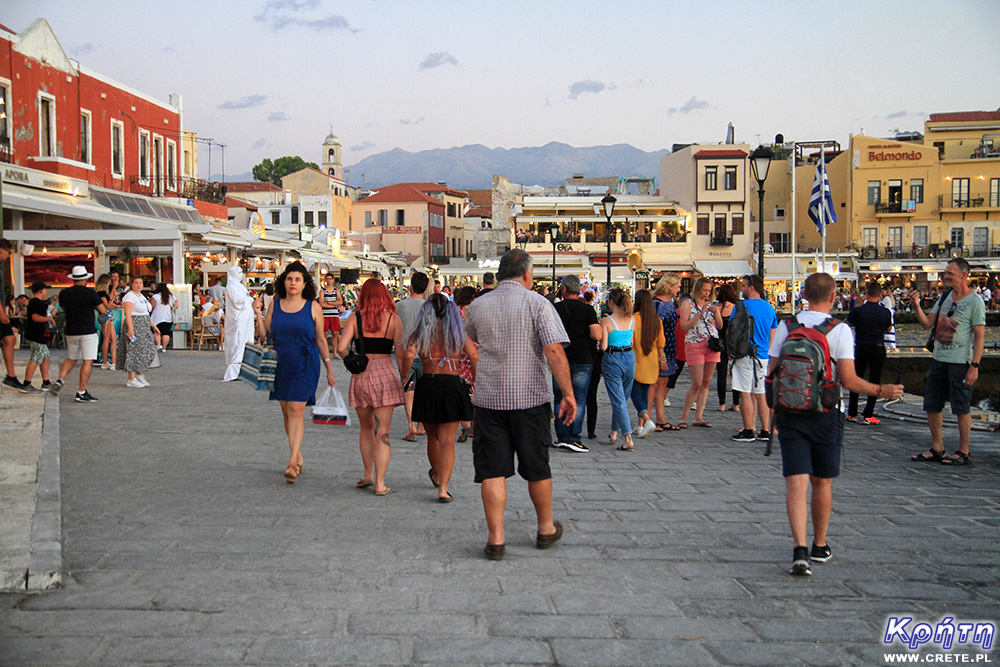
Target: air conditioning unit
{"points": [[869, 253]]}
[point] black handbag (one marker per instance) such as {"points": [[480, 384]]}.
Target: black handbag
{"points": [[716, 345], [356, 361]]}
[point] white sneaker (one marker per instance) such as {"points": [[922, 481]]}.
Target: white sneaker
{"points": [[636, 431], [647, 428], [134, 384], [141, 379], [105, 366], [666, 402]]}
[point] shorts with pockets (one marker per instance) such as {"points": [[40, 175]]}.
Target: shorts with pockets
{"points": [[502, 434], [810, 444]]}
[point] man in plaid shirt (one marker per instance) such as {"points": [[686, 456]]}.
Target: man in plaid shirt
{"points": [[519, 335]]}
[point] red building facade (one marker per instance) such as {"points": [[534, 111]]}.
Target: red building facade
{"points": [[63, 118]]}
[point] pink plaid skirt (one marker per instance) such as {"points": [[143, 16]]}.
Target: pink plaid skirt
{"points": [[379, 386]]}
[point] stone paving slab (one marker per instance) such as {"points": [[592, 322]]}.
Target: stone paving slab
{"points": [[184, 545]]}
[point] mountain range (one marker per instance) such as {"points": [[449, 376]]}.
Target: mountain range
{"points": [[473, 166]]}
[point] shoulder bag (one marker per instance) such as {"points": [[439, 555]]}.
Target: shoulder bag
{"points": [[356, 360]]}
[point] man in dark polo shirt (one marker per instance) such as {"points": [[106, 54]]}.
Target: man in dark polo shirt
{"points": [[582, 327], [79, 303], [870, 321]]}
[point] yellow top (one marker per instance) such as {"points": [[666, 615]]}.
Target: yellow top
{"points": [[647, 366]]}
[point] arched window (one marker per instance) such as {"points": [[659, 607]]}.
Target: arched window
{"points": [[332, 172], [331, 156]]}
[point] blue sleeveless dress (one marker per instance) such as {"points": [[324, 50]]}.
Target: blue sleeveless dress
{"points": [[297, 372]]}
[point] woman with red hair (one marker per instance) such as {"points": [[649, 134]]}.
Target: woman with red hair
{"points": [[378, 390]]}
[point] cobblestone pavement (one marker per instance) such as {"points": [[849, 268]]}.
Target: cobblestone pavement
{"points": [[183, 545]]}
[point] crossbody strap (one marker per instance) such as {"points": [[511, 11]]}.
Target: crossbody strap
{"points": [[937, 315], [359, 340]]}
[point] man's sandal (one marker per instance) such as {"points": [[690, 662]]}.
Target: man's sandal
{"points": [[957, 459], [936, 456]]}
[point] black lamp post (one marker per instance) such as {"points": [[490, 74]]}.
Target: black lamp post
{"points": [[760, 161], [554, 234], [609, 210]]}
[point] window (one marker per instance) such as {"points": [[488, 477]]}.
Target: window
{"points": [[920, 235], [869, 237], [711, 178], [940, 146], [874, 192], [895, 239], [144, 155], [117, 149], [368, 218], [720, 226], [454, 248], [703, 224], [451, 210], [321, 218], [46, 126], [995, 192], [958, 237], [730, 183], [171, 165], [917, 190], [4, 116], [275, 218], [309, 218], [187, 163], [960, 192], [400, 217], [738, 224], [779, 242], [779, 213], [383, 217], [437, 220], [85, 136]]}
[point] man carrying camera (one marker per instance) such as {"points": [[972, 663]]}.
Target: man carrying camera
{"points": [[958, 333]]}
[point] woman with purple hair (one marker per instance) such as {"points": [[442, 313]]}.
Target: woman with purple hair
{"points": [[441, 399]]}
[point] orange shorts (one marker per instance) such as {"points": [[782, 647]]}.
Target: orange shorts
{"points": [[698, 353]]}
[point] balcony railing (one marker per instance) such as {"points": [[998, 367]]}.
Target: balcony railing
{"points": [[932, 251], [973, 200], [724, 239], [185, 188], [591, 238]]}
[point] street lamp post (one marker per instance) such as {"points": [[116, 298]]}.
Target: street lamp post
{"points": [[554, 234], [760, 161], [609, 210]]}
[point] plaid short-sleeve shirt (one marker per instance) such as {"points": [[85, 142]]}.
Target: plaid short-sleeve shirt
{"points": [[512, 325]]}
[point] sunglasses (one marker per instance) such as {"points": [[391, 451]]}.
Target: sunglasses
{"points": [[951, 311]]}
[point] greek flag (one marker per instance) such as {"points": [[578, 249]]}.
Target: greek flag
{"points": [[821, 202]]}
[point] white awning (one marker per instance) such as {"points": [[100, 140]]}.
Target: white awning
{"points": [[724, 268], [780, 268]]}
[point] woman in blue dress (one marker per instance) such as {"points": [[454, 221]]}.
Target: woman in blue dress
{"points": [[295, 322]]}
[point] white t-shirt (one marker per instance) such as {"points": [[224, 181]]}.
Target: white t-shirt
{"points": [[140, 305], [161, 312], [840, 338]]}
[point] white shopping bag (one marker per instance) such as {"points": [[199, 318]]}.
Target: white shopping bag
{"points": [[331, 408]]}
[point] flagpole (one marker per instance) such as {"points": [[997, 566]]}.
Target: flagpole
{"points": [[794, 237], [822, 208]]}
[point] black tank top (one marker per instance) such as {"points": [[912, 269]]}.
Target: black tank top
{"points": [[381, 345]]}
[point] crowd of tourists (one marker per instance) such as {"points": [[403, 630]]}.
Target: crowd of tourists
{"points": [[478, 363]]}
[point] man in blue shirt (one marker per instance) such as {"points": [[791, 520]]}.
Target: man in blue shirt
{"points": [[871, 322], [749, 371]]}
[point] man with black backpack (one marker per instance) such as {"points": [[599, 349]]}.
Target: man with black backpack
{"points": [[811, 355], [751, 328]]}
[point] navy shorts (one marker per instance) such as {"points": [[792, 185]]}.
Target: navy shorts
{"points": [[946, 381], [5, 330], [500, 434], [810, 445]]}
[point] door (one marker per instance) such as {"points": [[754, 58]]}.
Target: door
{"points": [[895, 196], [957, 238], [960, 192], [980, 241], [158, 167], [894, 238]]}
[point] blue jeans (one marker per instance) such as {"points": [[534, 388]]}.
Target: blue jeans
{"points": [[580, 375], [618, 369], [640, 398]]}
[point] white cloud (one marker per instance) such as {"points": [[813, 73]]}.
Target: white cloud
{"points": [[432, 60], [278, 116], [245, 102], [586, 86], [693, 104], [275, 15]]}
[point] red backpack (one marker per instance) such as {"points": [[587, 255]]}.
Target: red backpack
{"points": [[802, 382]]}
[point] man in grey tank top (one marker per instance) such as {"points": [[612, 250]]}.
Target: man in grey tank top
{"points": [[409, 310]]}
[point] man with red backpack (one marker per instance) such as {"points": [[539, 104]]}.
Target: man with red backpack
{"points": [[811, 356]]}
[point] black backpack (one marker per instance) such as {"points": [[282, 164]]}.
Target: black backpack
{"points": [[739, 335]]}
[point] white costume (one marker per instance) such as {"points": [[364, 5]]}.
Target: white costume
{"points": [[239, 322]]}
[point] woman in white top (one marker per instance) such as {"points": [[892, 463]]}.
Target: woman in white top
{"points": [[136, 346], [701, 320], [164, 304]]}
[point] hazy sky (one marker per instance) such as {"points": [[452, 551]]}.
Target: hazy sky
{"points": [[269, 78]]}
